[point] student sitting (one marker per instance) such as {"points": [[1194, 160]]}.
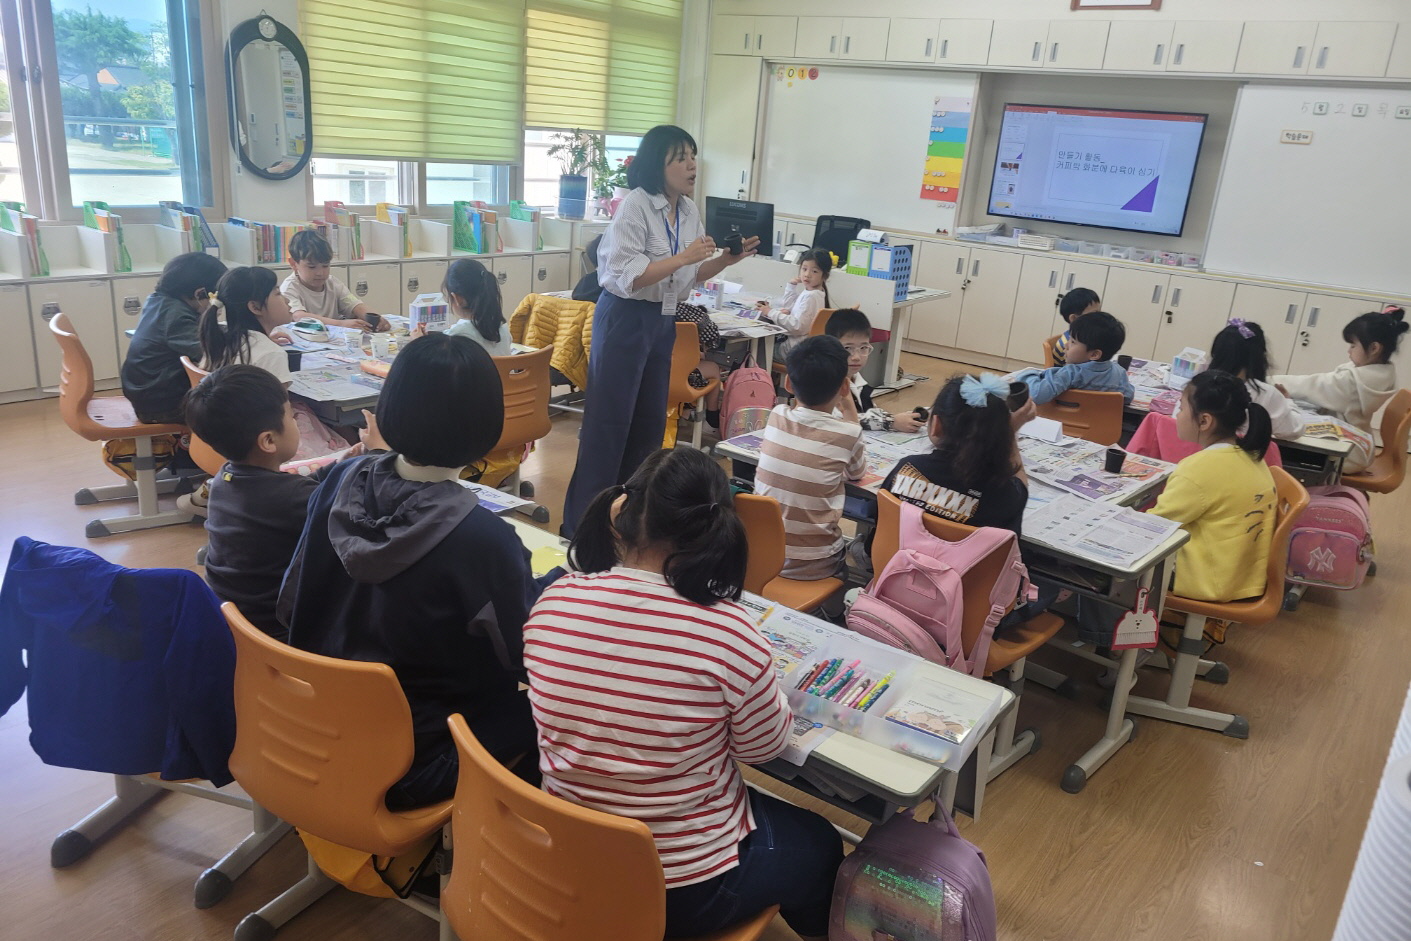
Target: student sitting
{"points": [[1071, 306], [1355, 390], [1240, 350], [588, 288], [808, 454], [853, 330], [152, 377], [255, 511], [312, 291], [806, 295], [399, 564], [648, 685], [1097, 337], [474, 296]]}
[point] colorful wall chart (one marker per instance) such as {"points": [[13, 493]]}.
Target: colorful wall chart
{"points": [[945, 153]]}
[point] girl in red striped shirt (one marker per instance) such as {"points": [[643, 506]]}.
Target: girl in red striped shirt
{"points": [[648, 683]]}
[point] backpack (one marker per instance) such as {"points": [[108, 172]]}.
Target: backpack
{"points": [[746, 420], [746, 387], [914, 880], [917, 601], [1331, 543]]}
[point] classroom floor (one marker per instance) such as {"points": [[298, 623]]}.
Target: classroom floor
{"points": [[1184, 834]]}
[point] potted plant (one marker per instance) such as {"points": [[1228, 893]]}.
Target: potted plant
{"points": [[610, 186], [577, 152]]}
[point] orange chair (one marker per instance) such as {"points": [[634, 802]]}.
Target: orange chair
{"points": [[105, 418], [1291, 499], [525, 378], [764, 531], [204, 456], [820, 323], [529, 865], [685, 356], [1008, 649], [319, 741], [1051, 344], [1388, 468], [1087, 414]]}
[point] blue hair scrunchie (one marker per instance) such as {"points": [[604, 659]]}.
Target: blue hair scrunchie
{"points": [[976, 391]]}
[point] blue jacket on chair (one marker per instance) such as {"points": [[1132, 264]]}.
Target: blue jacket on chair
{"points": [[129, 671]]}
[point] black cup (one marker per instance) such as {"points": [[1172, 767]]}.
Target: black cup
{"points": [[296, 359], [1018, 395], [1124, 361], [1115, 457], [734, 243]]}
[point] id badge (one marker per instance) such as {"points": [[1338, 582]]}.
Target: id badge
{"points": [[668, 303]]}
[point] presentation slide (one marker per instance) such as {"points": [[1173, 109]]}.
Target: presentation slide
{"points": [[1089, 166]]}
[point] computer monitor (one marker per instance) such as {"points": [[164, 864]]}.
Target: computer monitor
{"points": [[726, 217]]}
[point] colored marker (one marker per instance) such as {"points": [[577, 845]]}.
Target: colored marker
{"points": [[858, 694], [835, 688], [877, 691], [809, 676]]}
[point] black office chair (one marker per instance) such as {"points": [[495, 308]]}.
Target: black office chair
{"points": [[835, 232]]}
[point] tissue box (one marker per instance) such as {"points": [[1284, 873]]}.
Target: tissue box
{"points": [[430, 311]]}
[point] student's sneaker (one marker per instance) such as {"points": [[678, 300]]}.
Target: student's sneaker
{"points": [[195, 501], [858, 558]]}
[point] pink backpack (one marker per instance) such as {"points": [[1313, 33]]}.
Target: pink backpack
{"points": [[1331, 544], [747, 386], [917, 602], [914, 880]]}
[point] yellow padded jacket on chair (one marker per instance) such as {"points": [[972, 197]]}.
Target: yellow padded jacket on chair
{"points": [[541, 319]]}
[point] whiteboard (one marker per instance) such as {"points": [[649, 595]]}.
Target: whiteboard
{"points": [[854, 142], [1333, 211]]}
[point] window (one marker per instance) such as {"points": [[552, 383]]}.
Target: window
{"points": [[541, 172], [11, 182], [365, 183], [448, 182], [355, 182]]}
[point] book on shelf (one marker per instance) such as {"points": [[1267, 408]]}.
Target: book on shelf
{"points": [[203, 236], [27, 227], [343, 232], [399, 216], [97, 215], [475, 228]]}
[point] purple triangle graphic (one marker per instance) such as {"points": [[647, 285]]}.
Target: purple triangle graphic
{"points": [[1145, 200]]}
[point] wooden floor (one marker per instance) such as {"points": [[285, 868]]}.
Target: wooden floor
{"points": [[1185, 834]]}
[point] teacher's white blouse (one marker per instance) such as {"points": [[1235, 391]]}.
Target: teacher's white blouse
{"points": [[639, 236]]}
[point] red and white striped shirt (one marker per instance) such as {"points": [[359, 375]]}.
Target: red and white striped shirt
{"points": [[644, 701]]}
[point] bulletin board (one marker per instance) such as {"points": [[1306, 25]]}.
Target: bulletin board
{"points": [[846, 141], [1314, 188]]}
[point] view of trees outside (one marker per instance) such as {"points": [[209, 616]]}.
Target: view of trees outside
{"points": [[11, 185]]}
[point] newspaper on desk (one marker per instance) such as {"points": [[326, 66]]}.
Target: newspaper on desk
{"points": [[334, 384], [1103, 532], [731, 324], [1076, 466]]}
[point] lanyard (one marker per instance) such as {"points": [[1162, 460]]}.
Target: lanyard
{"points": [[674, 238]]}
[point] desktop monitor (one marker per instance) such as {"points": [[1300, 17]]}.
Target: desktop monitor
{"points": [[726, 217]]}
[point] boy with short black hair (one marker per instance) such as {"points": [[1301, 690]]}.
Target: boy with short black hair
{"points": [[808, 454], [312, 291], [1071, 306], [854, 331], [1097, 337]]}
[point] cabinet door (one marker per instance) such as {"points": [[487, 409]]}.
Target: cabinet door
{"points": [[421, 277], [1400, 64], [1277, 311], [129, 294], [1319, 346], [1196, 309], [819, 37], [987, 309], [379, 286], [1276, 48], [1035, 307], [1352, 49], [1076, 44], [774, 35], [1137, 297], [939, 265], [964, 42], [89, 305], [865, 38], [911, 40], [733, 36], [550, 274], [728, 130], [17, 370], [516, 276], [1018, 43], [1204, 46], [1136, 46]]}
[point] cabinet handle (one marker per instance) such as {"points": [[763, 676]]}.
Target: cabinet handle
{"points": [[1169, 319], [1053, 53], [847, 44], [1298, 58], [945, 48], [1053, 279], [132, 306], [1176, 298], [1293, 313], [543, 274], [927, 53], [413, 283], [1038, 51], [758, 41], [1313, 317], [1071, 276], [360, 289], [49, 311], [1156, 294], [746, 46], [1160, 48], [1180, 52], [1303, 337], [832, 44], [960, 266], [975, 269], [1322, 57], [502, 276]]}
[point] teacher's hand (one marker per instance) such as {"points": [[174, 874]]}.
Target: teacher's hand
{"points": [[698, 251], [749, 246]]}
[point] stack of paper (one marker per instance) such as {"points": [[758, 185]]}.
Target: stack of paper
{"points": [[1102, 532]]}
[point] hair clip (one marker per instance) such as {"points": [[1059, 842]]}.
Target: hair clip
{"points": [[1242, 325], [976, 391]]}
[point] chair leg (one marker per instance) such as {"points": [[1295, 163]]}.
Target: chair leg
{"points": [[91, 495], [147, 516], [697, 426], [132, 794], [215, 883], [261, 925], [1176, 707], [1008, 747]]}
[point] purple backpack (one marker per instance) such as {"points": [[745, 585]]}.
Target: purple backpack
{"points": [[909, 881]]}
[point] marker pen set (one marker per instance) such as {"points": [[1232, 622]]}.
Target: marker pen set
{"points": [[846, 683]]}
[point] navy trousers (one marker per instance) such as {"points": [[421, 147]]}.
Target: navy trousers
{"points": [[624, 418]]}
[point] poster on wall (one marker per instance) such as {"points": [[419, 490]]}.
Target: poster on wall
{"points": [[945, 152]]}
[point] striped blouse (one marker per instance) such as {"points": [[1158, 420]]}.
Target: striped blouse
{"points": [[644, 231], [644, 701]]}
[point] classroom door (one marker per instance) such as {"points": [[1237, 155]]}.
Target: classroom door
{"points": [[129, 294], [939, 265], [991, 280], [1319, 346], [1137, 297], [17, 370], [1196, 309], [728, 130]]}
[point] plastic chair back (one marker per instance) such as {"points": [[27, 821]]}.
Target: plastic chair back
{"points": [[1050, 357], [1388, 468], [527, 387], [835, 232], [202, 453], [320, 740], [532, 866], [820, 322], [75, 381], [686, 356], [1087, 414], [764, 534]]}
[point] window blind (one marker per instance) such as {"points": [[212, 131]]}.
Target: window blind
{"points": [[602, 65], [416, 79]]}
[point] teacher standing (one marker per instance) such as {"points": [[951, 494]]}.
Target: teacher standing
{"points": [[652, 256]]}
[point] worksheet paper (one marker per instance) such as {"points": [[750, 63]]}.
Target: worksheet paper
{"points": [[496, 501], [1103, 532]]}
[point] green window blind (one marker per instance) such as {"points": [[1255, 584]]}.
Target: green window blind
{"points": [[417, 79], [602, 65]]}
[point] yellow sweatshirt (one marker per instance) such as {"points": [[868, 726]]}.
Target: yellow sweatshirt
{"points": [[1224, 497]]}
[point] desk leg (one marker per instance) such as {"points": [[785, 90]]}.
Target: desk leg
{"points": [[766, 351], [892, 368]]}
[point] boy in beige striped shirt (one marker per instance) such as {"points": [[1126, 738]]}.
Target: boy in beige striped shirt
{"points": [[807, 456]]}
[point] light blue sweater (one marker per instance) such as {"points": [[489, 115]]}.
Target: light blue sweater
{"points": [[1094, 375]]}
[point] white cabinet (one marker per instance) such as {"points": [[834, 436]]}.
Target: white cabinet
{"points": [[819, 37], [865, 38], [726, 155], [421, 277], [129, 295], [774, 35], [1196, 309], [89, 306], [939, 265], [1204, 46], [991, 278], [1277, 311], [1318, 345], [856, 38], [754, 35], [1276, 48], [912, 40], [1355, 49], [1400, 64], [1138, 46], [790, 233], [1018, 43], [1138, 298], [551, 273], [733, 36], [17, 352], [1076, 44], [963, 42], [1042, 284], [378, 284], [516, 276]]}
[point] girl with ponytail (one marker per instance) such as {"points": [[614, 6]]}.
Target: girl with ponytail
{"points": [[648, 683]]}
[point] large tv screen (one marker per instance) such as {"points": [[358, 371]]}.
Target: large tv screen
{"points": [[1096, 166]]}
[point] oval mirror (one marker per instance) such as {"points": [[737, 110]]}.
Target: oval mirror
{"points": [[267, 91]]}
